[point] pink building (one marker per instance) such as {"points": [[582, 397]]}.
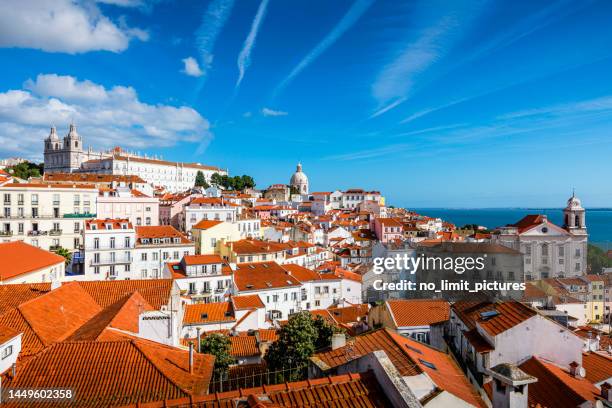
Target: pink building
{"points": [[171, 209], [387, 229], [124, 202]]}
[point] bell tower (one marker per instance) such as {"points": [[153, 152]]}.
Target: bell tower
{"points": [[574, 216], [73, 149]]}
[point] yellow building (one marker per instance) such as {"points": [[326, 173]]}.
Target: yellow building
{"points": [[210, 235]]}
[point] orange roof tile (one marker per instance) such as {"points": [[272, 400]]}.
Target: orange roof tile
{"points": [[202, 259], [156, 292], [244, 346], [598, 366], [18, 258], [124, 371], [418, 312], [206, 224], [12, 295], [262, 275], [7, 333], [114, 223], [208, 313], [242, 302], [160, 231], [510, 313], [555, 387]]}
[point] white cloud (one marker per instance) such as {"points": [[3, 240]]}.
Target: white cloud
{"points": [[213, 21], [244, 58], [105, 116], [62, 26], [345, 23], [192, 68], [270, 112]]}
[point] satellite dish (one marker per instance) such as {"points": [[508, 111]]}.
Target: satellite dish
{"points": [[582, 372]]}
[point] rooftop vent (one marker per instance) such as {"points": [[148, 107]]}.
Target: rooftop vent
{"points": [[489, 315], [204, 316]]}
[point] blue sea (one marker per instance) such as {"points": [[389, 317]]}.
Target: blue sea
{"points": [[599, 221]]}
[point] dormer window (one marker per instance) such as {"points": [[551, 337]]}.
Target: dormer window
{"points": [[93, 226], [109, 226]]}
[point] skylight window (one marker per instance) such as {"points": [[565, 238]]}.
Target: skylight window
{"points": [[427, 364], [416, 350], [488, 315], [204, 316]]}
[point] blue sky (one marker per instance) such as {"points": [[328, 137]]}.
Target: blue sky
{"points": [[435, 103]]}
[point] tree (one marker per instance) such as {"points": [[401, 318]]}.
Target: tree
{"points": [[200, 180], [597, 259], [237, 183], [215, 179], [248, 181], [25, 170], [297, 342], [61, 251], [219, 346]]}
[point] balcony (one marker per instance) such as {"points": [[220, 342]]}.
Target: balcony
{"points": [[83, 215], [54, 247], [6, 233], [36, 233], [109, 261], [55, 232]]}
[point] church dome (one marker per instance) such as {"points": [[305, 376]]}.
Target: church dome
{"points": [[299, 180], [574, 202]]}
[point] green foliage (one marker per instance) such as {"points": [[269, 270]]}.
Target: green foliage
{"points": [[297, 342], [61, 251], [25, 170], [293, 190], [238, 183], [219, 346], [597, 259], [200, 180]]}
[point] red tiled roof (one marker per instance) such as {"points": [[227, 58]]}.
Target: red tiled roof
{"points": [[244, 346], [242, 302], [598, 366], [115, 223], [262, 275], [407, 356], [510, 313], [18, 258], [206, 224], [251, 246], [155, 291], [92, 178], [202, 259], [477, 341], [7, 333], [12, 295], [555, 387], [347, 391], [418, 312], [160, 231], [208, 313], [111, 373]]}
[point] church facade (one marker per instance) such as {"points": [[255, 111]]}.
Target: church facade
{"points": [[550, 251], [67, 156]]}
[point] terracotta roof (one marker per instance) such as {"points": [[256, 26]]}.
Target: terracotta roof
{"points": [[209, 313], [202, 259], [155, 291], [477, 341], [532, 292], [124, 371], [389, 222], [18, 258], [242, 302], [7, 333], [410, 358], [50, 186], [555, 387], [160, 231], [244, 346], [349, 314], [165, 163], [348, 391], [251, 246], [509, 314], [12, 295], [115, 223], [263, 275], [418, 312], [92, 178], [206, 224], [598, 366], [123, 315]]}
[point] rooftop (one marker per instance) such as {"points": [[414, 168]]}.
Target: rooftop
{"points": [[19, 258]]}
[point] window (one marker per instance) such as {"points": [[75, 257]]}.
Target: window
{"points": [[143, 256], [34, 199], [7, 351], [138, 221], [317, 303], [148, 221], [561, 251], [577, 252], [96, 243], [112, 242], [127, 242], [544, 249], [528, 250]]}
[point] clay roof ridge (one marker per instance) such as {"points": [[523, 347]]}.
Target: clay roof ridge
{"points": [[28, 324], [559, 381]]}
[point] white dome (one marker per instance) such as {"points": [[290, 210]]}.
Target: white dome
{"points": [[574, 202], [299, 180]]}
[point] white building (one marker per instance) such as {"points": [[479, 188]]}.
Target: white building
{"points": [[202, 278], [123, 202], [48, 216], [299, 181], [68, 157], [109, 249], [156, 246], [206, 208], [550, 251]]}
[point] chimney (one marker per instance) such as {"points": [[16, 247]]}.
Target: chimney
{"points": [[14, 372], [191, 357], [574, 368], [338, 341], [606, 391]]}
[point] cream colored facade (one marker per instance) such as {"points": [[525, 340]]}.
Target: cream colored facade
{"points": [[46, 216], [209, 240]]}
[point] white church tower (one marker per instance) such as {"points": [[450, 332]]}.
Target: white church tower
{"points": [[63, 157], [299, 180], [574, 216]]}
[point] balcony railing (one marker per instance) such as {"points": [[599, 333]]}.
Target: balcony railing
{"points": [[110, 261], [55, 232], [35, 233], [6, 233], [82, 215]]}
